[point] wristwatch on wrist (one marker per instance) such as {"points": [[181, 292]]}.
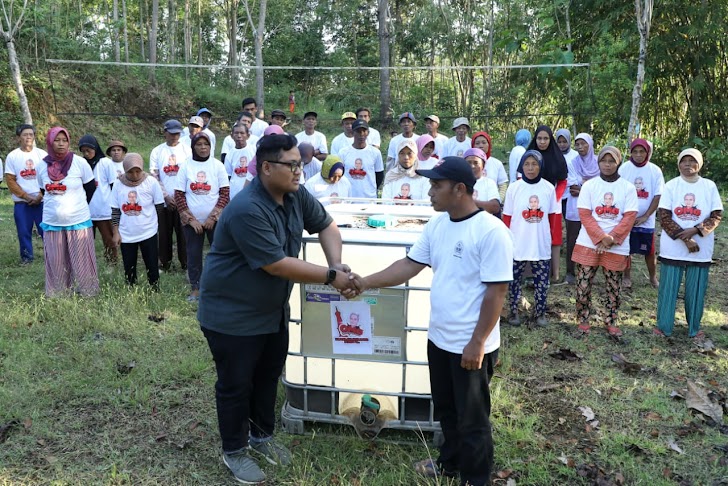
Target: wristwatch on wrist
{"points": [[330, 276]]}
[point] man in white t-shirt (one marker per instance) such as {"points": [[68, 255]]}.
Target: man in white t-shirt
{"points": [[228, 144], [362, 163], [407, 122], [313, 137], [374, 137], [166, 162], [458, 144], [21, 175], [471, 255], [258, 126], [344, 140], [202, 119], [432, 124]]}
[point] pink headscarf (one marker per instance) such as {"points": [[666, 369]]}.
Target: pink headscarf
{"points": [[271, 130], [421, 142], [477, 153], [642, 143], [58, 163]]}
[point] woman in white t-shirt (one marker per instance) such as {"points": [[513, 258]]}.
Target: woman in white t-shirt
{"points": [[607, 210], [523, 138], [485, 192], [136, 202], [202, 193], [426, 152], [21, 171], [402, 182], [689, 212], [68, 238], [330, 182], [531, 211], [100, 206]]}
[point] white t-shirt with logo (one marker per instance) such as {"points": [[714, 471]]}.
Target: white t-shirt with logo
{"points": [[374, 137], [228, 144], [105, 175], [188, 140], [455, 148], [118, 167], [201, 183], [166, 162], [494, 170], [236, 166], [363, 180], [24, 166], [407, 188], [320, 189], [608, 201], [649, 182], [529, 206], [341, 143], [318, 140], [465, 256], [486, 190], [64, 203], [690, 204], [394, 144], [138, 215]]}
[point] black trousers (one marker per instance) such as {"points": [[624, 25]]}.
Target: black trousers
{"points": [[462, 405], [248, 369], [572, 233], [169, 224], [149, 250], [195, 243]]}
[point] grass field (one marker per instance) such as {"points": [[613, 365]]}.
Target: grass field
{"points": [[93, 391]]}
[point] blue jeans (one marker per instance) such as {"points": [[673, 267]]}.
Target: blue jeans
{"points": [[25, 217]]}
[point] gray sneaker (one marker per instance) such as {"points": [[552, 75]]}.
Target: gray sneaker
{"points": [[542, 321], [272, 452], [244, 468]]}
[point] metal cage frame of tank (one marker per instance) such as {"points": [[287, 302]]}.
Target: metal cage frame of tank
{"points": [[295, 416]]}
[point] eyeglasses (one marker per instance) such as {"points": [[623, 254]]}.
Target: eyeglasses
{"points": [[295, 164]]}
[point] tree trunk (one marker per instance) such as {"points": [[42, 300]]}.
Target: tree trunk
{"points": [[17, 79], [259, 74], [142, 29], [117, 43], [644, 20], [153, 38], [199, 31], [568, 83], [233, 40], [126, 32], [385, 88], [172, 28], [188, 37]]}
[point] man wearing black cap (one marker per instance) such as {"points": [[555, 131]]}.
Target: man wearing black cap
{"points": [[407, 122], [310, 135], [363, 164], [165, 161], [471, 255], [278, 117]]}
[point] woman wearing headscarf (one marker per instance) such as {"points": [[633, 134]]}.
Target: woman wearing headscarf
{"points": [[493, 167], [532, 213], [485, 191], [563, 141], [607, 210], [330, 182], [100, 205], [401, 181], [556, 172], [523, 138], [202, 192], [581, 169], [649, 183], [689, 212], [426, 152], [68, 241]]}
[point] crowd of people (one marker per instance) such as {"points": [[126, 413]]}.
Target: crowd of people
{"points": [[504, 226]]}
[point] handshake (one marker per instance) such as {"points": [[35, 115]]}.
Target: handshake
{"points": [[349, 284]]}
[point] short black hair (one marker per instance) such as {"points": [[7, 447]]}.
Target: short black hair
{"points": [[359, 110], [248, 101], [245, 113], [238, 124], [271, 146], [24, 126]]}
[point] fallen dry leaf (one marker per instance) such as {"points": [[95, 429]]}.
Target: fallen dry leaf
{"points": [[28, 423], [588, 413], [504, 474], [673, 446], [549, 387], [619, 478], [637, 449], [675, 395], [565, 354], [698, 399], [6, 428], [125, 369], [653, 416], [626, 366]]}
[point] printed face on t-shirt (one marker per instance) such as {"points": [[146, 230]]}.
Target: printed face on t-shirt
{"points": [[533, 214], [358, 172], [607, 210], [358, 164], [201, 177], [689, 210], [533, 202], [639, 183], [172, 159], [201, 187], [29, 171], [609, 199], [132, 196], [689, 200], [242, 169]]}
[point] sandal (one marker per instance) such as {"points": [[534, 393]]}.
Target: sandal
{"points": [[699, 337], [614, 331], [656, 332], [584, 328]]}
